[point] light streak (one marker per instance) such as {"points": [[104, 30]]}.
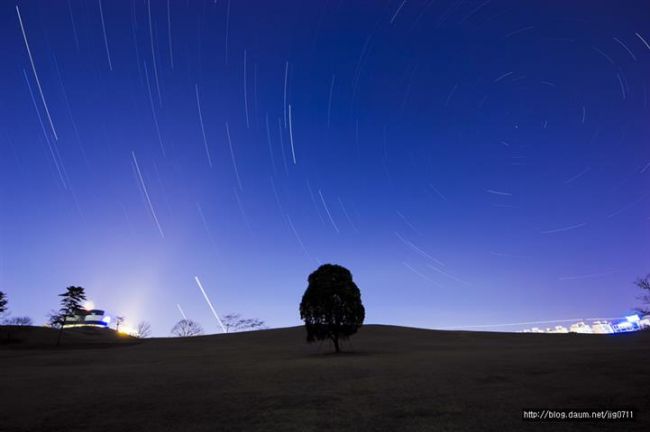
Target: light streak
{"points": [[293, 152], [232, 156], [38, 82], [108, 53], [214, 312], [180, 309], [327, 210], [205, 141], [146, 194]]}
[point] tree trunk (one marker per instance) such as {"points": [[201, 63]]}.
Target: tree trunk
{"points": [[58, 339], [335, 339]]}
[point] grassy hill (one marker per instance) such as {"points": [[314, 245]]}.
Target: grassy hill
{"points": [[42, 337], [389, 379]]}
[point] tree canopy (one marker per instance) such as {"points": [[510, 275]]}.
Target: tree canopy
{"points": [[331, 306], [72, 300]]}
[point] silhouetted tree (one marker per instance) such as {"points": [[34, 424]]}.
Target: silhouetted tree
{"points": [[3, 311], [119, 320], [234, 322], [19, 321], [71, 303], [54, 319], [230, 321], [3, 303], [186, 327], [331, 306], [15, 321], [644, 284], [144, 329]]}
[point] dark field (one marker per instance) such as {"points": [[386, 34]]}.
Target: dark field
{"points": [[390, 379]]}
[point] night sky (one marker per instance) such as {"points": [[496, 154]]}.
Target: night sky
{"points": [[471, 162]]}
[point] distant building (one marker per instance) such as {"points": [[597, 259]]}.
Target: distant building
{"points": [[630, 323], [580, 327], [627, 324], [88, 318], [602, 327], [558, 329], [645, 322]]}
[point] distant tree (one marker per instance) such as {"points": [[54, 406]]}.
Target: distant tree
{"points": [[3, 311], [234, 322], [119, 320], [644, 284], [331, 306], [19, 321], [186, 327], [144, 329], [71, 302], [230, 321], [54, 319], [3, 303]]}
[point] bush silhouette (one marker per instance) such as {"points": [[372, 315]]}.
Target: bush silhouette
{"points": [[644, 284], [144, 329], [186, 327], [331, 306], [19, 321], [3, 303]]}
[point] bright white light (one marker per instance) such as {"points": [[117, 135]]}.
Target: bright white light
{"points": [[107, 319], [632, 318], [89, 305]]}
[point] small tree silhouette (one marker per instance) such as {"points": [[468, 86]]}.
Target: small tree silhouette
{"points": [[186, 327], [19, 321], [3, 310], [119, 320], [144, 329], [70, 305], [234, 322], [54, 319], [644, 284], [331, 306], [3, 303]]}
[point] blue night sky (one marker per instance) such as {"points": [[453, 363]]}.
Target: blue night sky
{"points": [[471, 162]]}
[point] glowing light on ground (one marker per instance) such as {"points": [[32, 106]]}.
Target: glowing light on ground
{"points": [[127, 329]]}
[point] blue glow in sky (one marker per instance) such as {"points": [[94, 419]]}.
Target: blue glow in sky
{"points": [[470, 162]]}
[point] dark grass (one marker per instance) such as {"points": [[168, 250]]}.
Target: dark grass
{"points": [[388, 379]]}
